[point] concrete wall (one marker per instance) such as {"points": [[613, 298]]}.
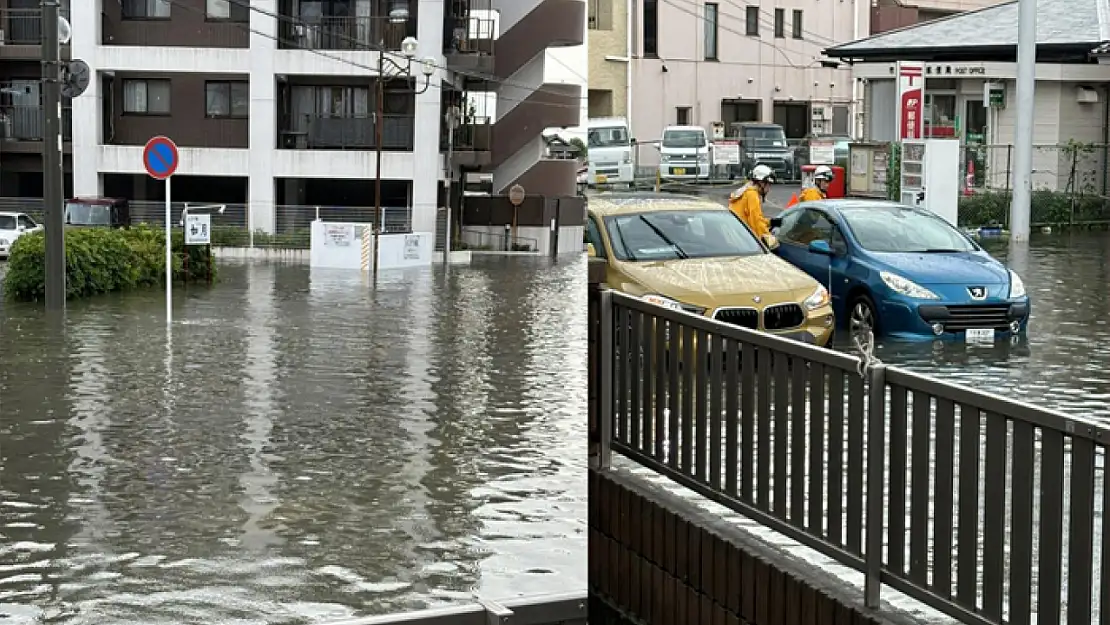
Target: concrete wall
{"points": [[762, 68], [609, 42]]}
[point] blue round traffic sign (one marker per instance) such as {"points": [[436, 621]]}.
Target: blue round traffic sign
{"points": [[160, 157]]}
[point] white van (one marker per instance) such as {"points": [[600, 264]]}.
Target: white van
{"points": [[610, 151], [684, 153]]}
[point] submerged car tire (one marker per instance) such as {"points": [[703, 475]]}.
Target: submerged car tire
{"points": [[863, 314]]}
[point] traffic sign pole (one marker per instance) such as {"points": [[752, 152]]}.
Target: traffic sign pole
{"points": [[160, 158]]}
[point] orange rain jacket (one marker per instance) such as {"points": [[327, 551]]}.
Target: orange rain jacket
{"points": [[747, 204]]}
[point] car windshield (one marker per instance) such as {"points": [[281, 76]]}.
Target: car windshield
{"points": [[608, 137], [88, 214], [767, 136], [904, 229], [667, 235], [7, 222], [683, 139]]}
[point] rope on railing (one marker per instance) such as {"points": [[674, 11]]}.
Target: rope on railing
{"points": [[867, 358]]}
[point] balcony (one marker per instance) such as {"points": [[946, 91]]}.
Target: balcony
{"points": [[468, 44], [472, 142], [344, 33], [22, 128], [21, 34], [321, 132]]}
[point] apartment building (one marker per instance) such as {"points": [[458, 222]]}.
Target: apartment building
{"points": [[887, 15], [610, 62], [21, 119], [273, 103], [697, 62]]}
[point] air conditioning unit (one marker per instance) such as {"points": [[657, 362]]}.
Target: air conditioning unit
{"points": [[1086, 95]]}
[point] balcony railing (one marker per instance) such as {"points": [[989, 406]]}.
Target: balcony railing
{"points": [[25, 123], [476, 135], [469, 35], [22, 27], [345, 33], [315, 132]]}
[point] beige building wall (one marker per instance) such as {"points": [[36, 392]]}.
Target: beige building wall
{"points": [[752, 74], [608, 55], [953, 5]]}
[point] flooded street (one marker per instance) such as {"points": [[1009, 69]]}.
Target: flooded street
{"points": [[308, 448]]}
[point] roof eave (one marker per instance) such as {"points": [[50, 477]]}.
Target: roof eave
{"points": [[942, 53]]}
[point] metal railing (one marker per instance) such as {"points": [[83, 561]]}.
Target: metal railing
{"points": [[23, 27], [26, 123], [469, 35], [484, 240], [344, 33], [985, 508], [234, 227], [321, 132]]}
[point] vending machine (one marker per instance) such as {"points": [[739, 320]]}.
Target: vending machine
{"points": [[931, 176]]}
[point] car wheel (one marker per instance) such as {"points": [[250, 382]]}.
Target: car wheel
{"points": [[863, 318]]}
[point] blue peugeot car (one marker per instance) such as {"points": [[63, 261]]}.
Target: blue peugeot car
{"points": [[902, 272]]}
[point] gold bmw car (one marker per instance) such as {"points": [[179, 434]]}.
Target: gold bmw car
{"points": [[690, 253]]}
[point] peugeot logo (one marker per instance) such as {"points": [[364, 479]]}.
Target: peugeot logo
{"points": [[757, 299], [977, 292]]}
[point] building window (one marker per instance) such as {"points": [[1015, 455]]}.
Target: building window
{"points": [[601, 14], [227, 99], [651, 28], [711, 31], [797, 25], [230, 10], [146, 97], [752, 19], [780, 23], [146, 9], [682, 116]]}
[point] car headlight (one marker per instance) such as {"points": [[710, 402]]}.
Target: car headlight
{"points": [[906, 287], [627, 157], [667, 302], [1017, 287], [4, 242], [703, 158], [818, 299], [666, 158]]}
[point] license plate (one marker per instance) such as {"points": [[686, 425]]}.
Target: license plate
{"points": [[602, 179], [979, 335], [679, 171]]}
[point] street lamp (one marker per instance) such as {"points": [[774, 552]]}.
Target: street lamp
{"points": [[409, 48], [399, 13], [217, 208]]}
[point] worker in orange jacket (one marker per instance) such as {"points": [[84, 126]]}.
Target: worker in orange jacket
{"points": [[822, 178], [747, 204]]}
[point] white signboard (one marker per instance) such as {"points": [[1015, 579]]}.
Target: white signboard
{"points": [[726, 153], [338, 235], [198, 229], [412, 247], [822, 153]]}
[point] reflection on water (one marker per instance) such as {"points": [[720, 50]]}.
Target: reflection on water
{"points": [[1064, 360], [307, 447]]}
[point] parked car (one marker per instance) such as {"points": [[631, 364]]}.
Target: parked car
{"points": [[691, 254], [98, 212], [13, 226], [763, 144], [902, 271]]}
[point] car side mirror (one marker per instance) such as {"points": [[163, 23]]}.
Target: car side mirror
{"points": [[632, 141], [590, 251], [820, 246], [21, 228], [776, 222]]}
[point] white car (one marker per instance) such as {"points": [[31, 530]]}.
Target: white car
{"points": [[13, 226]]}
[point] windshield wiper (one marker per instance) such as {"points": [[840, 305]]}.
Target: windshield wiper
{"points": [[677, 250], [624, 244], [941, 250]]}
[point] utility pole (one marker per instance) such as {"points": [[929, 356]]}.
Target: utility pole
{"points": [[1023, 132], [53, 177], [379, 121]]}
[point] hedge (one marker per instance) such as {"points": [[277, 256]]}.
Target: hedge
{"points": [[103, 260], [991, 208]]}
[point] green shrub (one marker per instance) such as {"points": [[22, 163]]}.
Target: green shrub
{"points": [[992, 208], [103, 260]]}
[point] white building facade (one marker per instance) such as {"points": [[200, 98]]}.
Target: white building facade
{"points": [[280, 96]]}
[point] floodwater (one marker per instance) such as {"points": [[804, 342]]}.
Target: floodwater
{"points": [[309, 448]]}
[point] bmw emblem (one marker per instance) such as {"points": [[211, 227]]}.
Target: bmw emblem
{"points": [[757, 299]]}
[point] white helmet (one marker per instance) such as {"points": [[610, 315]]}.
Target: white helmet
{"points": [[823, 172], [762, 173]]}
